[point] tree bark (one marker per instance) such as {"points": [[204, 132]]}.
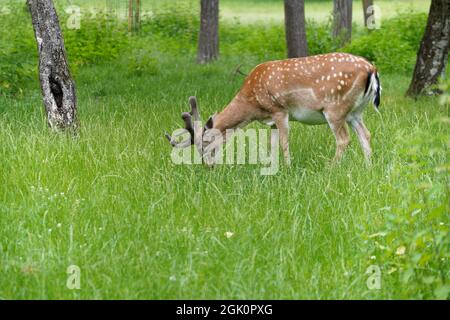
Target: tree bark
{"points": [[137, 16], [208, 40], [342, 24], [433, 52], [294, 18], [134, 16], [366, 5], [57, 85], [130, 15]]}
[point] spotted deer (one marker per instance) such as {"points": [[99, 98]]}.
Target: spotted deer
{"points": [[331, 89]]}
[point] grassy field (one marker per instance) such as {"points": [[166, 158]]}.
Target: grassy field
{"points": [[138, 226], [111, 201]]}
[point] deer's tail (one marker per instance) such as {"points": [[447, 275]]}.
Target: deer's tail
{"points": [[373, 88]]}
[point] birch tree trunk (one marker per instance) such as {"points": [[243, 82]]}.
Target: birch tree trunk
{"points": [[342, 24], [433, 51], [208, 39], [294, 18], [57, 86]]}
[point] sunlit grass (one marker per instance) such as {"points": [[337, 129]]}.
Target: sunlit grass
{"points": [[111, 201]]}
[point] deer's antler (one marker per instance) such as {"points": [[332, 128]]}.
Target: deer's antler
{"points": [[188, 125]]}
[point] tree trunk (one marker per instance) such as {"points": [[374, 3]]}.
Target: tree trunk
{"points": [[294, 17], [208, 39], [433, 51], [137, 16], [342, 24], [366, 5], [134, 16], [58, 88], [130, 16]]}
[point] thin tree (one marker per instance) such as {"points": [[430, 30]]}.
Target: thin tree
{"points": [[208, 39], [433, 52], [294, 18], [366, 5], [137, 16], [134, 15], [342, 20], [57, 85]]}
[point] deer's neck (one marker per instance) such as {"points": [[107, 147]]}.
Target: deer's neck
{"points": [[238, 113]]}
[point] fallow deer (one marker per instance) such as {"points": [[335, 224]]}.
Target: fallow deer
{"points": [[329, 88]]}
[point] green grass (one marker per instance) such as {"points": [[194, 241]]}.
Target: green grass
{"points": [[111, 201]]}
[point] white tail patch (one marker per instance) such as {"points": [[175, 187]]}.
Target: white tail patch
{"points": [[372, 90]]}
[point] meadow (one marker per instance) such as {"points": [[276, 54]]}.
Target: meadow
{"points": [[111, 201]]}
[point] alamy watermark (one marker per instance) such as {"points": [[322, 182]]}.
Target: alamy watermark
{"points": [[373, 282], [74, 19], [232, 147], [373, 20], [74, 277], [372, 14]]}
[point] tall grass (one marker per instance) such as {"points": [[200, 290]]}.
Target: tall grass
{"points": [[111, 201]]}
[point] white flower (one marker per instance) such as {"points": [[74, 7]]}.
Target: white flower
{"points": [[172, 278], [229, 234], [400, 251], [58, 225], [392, 270]]}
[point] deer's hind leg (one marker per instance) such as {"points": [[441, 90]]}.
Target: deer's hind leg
{"points": [[338, 125], [363, 134]]}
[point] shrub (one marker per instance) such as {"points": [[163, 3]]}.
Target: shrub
{"points": [[268, 42], [177, 21], [445, 87], [142, 62], [173, 30], [263, 42], [393, 48], [97, 40], [18, 51], [413, 245], [319, 37]]}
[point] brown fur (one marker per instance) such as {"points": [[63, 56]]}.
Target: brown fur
{"points": [[329, 84]]}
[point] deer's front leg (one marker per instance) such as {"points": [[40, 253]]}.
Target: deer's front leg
{"points": [[363, 136], [339, 127], [281, 120]]}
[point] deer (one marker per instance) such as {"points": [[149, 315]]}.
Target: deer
{"points": [[332, 88]]}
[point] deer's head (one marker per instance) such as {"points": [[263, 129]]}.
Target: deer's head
{"points": [[200, 136]]}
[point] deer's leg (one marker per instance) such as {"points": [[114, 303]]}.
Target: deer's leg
{"points": [[363, 136], [281, 120], [340, 131]]}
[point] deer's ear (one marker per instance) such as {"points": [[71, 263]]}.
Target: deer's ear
{"points": [[209, 124]]}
